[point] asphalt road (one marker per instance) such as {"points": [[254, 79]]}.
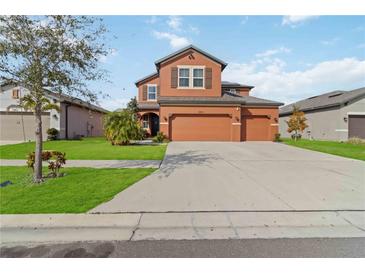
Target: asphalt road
{"points": [[262, 248]]}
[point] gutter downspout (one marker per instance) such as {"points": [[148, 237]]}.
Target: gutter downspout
{"points": [[66, 118]]}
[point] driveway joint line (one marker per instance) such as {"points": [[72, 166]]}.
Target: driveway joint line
{"points": [[349, 222]]}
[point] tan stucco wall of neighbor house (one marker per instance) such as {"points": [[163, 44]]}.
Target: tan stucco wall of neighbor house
{"points": [[259, 123], [168, 113], [81, 121], [20, 126], [327, 124], [190, 58]]}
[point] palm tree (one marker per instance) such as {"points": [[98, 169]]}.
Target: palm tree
{"points": [[29, 103]]}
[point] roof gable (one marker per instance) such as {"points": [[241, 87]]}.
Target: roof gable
{"points": [[183, 50]]}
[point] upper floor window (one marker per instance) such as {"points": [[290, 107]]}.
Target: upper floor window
{"points": [[15, 93], [184, 77], [191, 77], [198, 77], [152, 92]]}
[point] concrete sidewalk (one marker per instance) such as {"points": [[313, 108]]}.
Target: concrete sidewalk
{"points": [[95, 163], [35, 228]]}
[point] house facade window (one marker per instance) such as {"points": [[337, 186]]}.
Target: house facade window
{"points": [[184, 77], [198, 79], [145, 122], [232, 90], [191, 77], [15, 93], [152, 92]]}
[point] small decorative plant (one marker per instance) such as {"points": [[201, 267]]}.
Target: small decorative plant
{"points": [[277, 137], [356, 141], [55, 161], [159, 138], [52, 134]]}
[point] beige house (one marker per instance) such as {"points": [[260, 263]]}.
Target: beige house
{"points": [[336, 115], [76, 118]]}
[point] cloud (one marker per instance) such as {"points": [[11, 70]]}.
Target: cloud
{"points": [[272, 52], [194, 30], [330, 42], [273, 81], [114, 103], [152, 20], [294, 20], [174, 22], [112, 53], [244, 20], [174, 40]]}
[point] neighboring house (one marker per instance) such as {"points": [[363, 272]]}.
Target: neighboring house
{"points": [[187, 101], [76, 118], [336, 115]]}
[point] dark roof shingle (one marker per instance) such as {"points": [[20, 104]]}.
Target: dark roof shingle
{"points": [[326, 100], [226, 98]]}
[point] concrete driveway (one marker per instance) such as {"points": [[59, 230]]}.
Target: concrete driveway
{"points": [[250, 176]]}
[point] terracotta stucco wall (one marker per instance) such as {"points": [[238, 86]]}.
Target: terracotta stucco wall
{"points": [[273, 114], [154, 80], [190, 58], [234, 112]]}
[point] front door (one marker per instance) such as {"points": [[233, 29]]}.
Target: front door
{"points": [[155, 124]]}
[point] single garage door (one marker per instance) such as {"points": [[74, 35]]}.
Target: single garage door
{"points": [[20, 126], [255, 128], [200, 127], [357, 126]]}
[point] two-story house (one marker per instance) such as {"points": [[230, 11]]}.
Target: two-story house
{"points": [[76, 117], [187, 101]]}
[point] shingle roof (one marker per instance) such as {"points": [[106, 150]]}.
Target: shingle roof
{"points": [[159, 61], [63, 98], [146, 77], [234, 85], [226, 98], [326, 100]]}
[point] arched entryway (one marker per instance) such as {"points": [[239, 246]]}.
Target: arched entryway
{"points": [[151, 123]]}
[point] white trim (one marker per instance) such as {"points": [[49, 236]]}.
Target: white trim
{"points": [[151, 85], [342, 130], [164, 123], [356, 113], [191, 76], [236, 124], [274, 125]]}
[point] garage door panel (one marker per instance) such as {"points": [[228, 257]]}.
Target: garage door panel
{"points": [[357, 126], [20, 126], [192, 127], [255, 128]]}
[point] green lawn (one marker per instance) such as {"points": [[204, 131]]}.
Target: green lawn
{"points": [[79, 191], [88, 149], [331, 147]]}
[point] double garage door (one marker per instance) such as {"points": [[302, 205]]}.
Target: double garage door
{"points": [[20, 126], [193, 127]]}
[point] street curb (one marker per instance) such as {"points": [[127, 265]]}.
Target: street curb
{"points": [[45, 228]]}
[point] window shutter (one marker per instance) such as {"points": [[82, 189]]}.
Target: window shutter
{"points": [[174, 77], [144, 93], [158, 92], [208, 78]]}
